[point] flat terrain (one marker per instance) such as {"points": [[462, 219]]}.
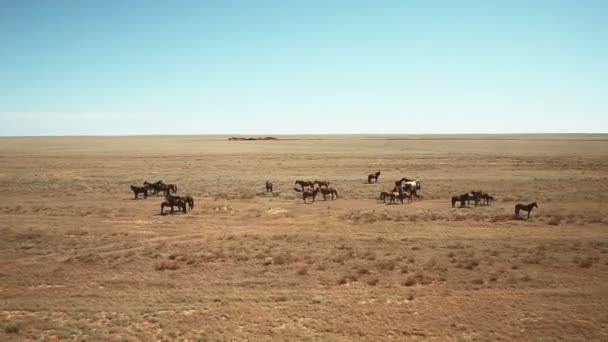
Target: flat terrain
{"points": [[80, 259]]}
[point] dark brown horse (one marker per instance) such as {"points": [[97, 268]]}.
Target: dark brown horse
{"points": [[153, 187], [310, 193], [525, 207], [268, 186], [373, 177], [304, 184], [321, 183], [180, 202], [329, 192], [139, 190]]}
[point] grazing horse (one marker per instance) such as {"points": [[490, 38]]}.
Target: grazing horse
{"points": [[373, 177], [525, 207], [139, 190], [268, 186], [308, 192], [304, 184], [330, 191], [321, 183]]}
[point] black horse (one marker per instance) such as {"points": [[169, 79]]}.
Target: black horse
{"points": [[373, 177], [139, 190], [268, 186], [525, 207]]}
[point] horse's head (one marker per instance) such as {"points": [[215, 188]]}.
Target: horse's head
{"points": [[132, 187], [534, 205]]}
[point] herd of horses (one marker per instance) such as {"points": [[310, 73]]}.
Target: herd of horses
{"points": [[310, 190], [172, 201], [405, 190], [477, 197]]}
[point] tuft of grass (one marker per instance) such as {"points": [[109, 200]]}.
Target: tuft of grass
{"points": [[410, 281], [585, 262], [554, 221], [302, 270], [13, 327], [386, 265], [171, 266], [477, 281], [372, 281]]}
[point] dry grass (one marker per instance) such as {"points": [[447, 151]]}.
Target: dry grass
{"points": [[81, 260]]}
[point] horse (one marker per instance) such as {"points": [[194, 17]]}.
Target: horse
{"points": [[189, 201], [412, 185], [487, 199], [268, 186], [172, 188], [139, 190], [373, 177], [321, 183], [164, 205], [525, 207], [164, 188], [308, 192], [464, 199], [153, 186], [404, 179], [180, 202], [304, 184], [330, 191]]}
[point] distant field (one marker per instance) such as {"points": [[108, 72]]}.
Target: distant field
{"points": [[80, 259]]}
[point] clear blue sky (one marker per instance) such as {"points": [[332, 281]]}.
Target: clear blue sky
{"points": [[271, 67]]}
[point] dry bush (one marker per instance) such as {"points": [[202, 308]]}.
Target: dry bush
{"points": [[410, 281], [386, 265], [346, 279], [373, 281], [284, 258], [477, 281], [302, 270], [470, 264], [162, 266], [554, 221]]}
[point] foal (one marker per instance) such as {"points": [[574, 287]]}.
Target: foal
{"points": [[525, 207]]}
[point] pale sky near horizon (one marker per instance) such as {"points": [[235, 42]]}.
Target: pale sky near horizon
{"points": [[297, 67]]}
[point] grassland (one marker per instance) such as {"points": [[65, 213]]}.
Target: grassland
{"points": [[80, 259]]}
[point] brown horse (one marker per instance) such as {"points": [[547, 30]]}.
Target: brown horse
{"points": [[304, 184], [373, 177], [525, 207], [139, 190], [180, 202], [308, 192], [268, 186], [330, 191], [321, 183]]}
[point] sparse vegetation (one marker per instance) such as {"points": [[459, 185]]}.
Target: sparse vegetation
{"points": [[83, 261]]}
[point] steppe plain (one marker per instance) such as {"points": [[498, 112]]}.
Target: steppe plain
{"points": [[82, 260]]}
